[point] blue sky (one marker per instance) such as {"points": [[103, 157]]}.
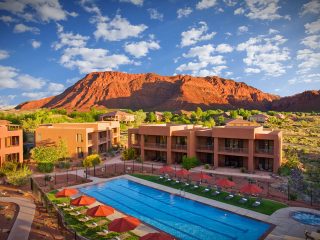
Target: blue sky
{"points": [[47, 45]]}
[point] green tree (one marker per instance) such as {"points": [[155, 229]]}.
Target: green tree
{"points": [[151, 117], [220, 120], [129, 154], [167, 116], [233, 114], [140, 117], [19, 176], [189, 162], [62, 150], [91, 160], [210, 123]]}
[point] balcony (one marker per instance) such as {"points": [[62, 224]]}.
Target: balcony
{"points": [[89, 141], [205, 147], [233, 150], [155, 145], [103, 139], [264, 151], [179, 146], [12, 127], [135, 144]]}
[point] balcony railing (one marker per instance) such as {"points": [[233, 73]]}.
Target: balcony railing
{"points": [[179, 146], [233, 150], [264, 150], [156, 145], [13, 127], [103, 139], [135, 144], [89, 141], [205, 147]]}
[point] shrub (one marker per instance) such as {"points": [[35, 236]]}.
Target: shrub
{"points": [[63, 164], [129, 154], [91, 160], [45, 167], [7, 167], [293, 196], [189, 162], [206, 166], [19, 177]]}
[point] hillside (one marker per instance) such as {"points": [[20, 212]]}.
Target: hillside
{"points": [[154, 92]]}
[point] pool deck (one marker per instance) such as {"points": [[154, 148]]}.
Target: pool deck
{"points": [[285, 226]]}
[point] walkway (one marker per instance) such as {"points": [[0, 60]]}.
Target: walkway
{"points": [[22, 226]]}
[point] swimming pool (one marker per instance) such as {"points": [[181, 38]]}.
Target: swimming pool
{"points": [[181, 217], [307, 218]]}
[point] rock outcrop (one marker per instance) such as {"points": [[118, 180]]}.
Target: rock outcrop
{"points": [[154, 92]]}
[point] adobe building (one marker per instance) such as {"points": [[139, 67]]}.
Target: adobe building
{"points": [[82, 139], [249, 146], [259, 118], [117, 116], [11, 143]]}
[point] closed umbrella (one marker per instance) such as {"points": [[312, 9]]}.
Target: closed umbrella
{"points": [[83, 201], [182, 173], [202, 176], [124, 224], [166, 169]]}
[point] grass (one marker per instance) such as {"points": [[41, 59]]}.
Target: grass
{"points": [[267, 206], [80, 227]]}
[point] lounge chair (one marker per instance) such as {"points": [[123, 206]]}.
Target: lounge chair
{"points": [[216, 192], [176, 181], [167, 179], [69, 209], [77, 213], [62, 204], [103, 233], [96, 224], [196, 185], [187, 183], [230, 196], [243, 200], [257, 202], [85, 219], [207, 189], [161, 177]]}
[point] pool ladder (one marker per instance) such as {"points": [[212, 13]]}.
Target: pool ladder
{"points": [[182, 192]]}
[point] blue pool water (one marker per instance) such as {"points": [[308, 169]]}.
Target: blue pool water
{"points": [[181, 217], [307, 218]]}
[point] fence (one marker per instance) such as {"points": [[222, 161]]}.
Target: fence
{"points": [[275, 189], [63, 228]]}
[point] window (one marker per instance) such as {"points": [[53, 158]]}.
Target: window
{"points": [[13, 157], [79, 137], [39, 137], [8, 141], [79, 152], [15, 141]]}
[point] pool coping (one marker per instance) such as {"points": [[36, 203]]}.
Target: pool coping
{"points": [[209, 202]]}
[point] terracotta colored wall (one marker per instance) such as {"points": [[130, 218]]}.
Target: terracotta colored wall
{"points": [[13, 149]]}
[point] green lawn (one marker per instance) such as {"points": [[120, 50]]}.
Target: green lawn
{"points": [[267, 206], [80, 227]]}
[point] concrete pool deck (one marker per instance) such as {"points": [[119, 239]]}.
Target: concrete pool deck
{"points": [[285, 226]]}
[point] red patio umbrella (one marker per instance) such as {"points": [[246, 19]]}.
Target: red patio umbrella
{"points": [[202, 176], [67, 192], [182, 173], [100, 211], [157, 236], [251, 188], [124, 224], [225, 183], [83, 201], [166, 169]]}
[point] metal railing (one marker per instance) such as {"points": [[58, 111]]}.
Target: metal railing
{"points": [[233, 150], [264, 150], [205, 147], [155, 145], [179, 146]]}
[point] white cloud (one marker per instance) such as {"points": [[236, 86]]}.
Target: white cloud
{"points": [[312, 7], [262, 10], [154, 14], [5, 101], [242, 29], [239, 11], [7, 77], [35, 95], [7, 19], [28, 82], [224, 48], [73, 80], [43, 10], [273, 31], [52, 89], [312, 41], [91, 59], [195, 35], [230, 3], [4, 54], [135, 2], [141, 49], [252, 70], [21, 28], [184, 12], [204, 4], [313, 27], [55, 87], [69, 39], [117, 29], [309, 60], [266, 54], [35, 44]]}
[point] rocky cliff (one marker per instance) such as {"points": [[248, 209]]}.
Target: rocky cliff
{"points": [[154, 92]]}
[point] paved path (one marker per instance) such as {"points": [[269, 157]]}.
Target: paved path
{"points": [[22, 226]]}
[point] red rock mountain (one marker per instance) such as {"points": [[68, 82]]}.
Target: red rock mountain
{"points": [[303, 102], [154, 92]]}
